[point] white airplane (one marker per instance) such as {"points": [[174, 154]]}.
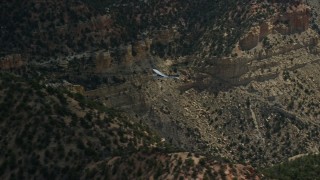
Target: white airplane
{"points": [[158, 73]]}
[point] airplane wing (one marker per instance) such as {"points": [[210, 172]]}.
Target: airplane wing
{"points": [[159, 73]]}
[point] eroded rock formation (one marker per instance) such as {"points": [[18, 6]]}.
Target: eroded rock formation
{"points": [[12, 61], [103, 61], [295, 19]]}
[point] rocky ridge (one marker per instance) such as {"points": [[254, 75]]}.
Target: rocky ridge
{"points": [[52, 133], [211, 92]]}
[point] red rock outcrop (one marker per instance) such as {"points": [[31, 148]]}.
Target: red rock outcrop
{"points": [[298, 18], [295, 19], [251, 39], [12, 61], [138, 51], [103, 62], [141, 49]]}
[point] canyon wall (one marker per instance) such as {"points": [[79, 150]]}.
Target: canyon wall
{"points": [[107, 61], [286, 55], [295, 19], [12, 61]]}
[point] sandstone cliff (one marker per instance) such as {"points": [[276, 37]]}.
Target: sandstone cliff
{"points": [[12, 61], [295, 19]]}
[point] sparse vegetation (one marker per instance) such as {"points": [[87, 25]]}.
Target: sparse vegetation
{"points": [[306, 167], [248, 88], [64, 143]]}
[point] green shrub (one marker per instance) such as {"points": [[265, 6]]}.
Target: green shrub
{"points": [[189, 162]]}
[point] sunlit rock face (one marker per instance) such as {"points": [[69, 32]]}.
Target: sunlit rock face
{"points": [[292, 19]]}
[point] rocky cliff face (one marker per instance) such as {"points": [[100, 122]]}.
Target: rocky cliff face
{"points": [[108, 61], [175, 28], [292, 19], [12, 61], [232, 68], [103, 61], [298, 18]]}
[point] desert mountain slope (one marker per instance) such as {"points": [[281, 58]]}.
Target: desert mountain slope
{"points": [[53, 134], [176, 27], [47, 133], [263, 122], [248, 86]]}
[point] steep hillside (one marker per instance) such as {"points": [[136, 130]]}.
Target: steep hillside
{"points": [[52, 134], [52, 28], [175, 27], [305, 167], [46, 133], [248, 87], [262, 122]]}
